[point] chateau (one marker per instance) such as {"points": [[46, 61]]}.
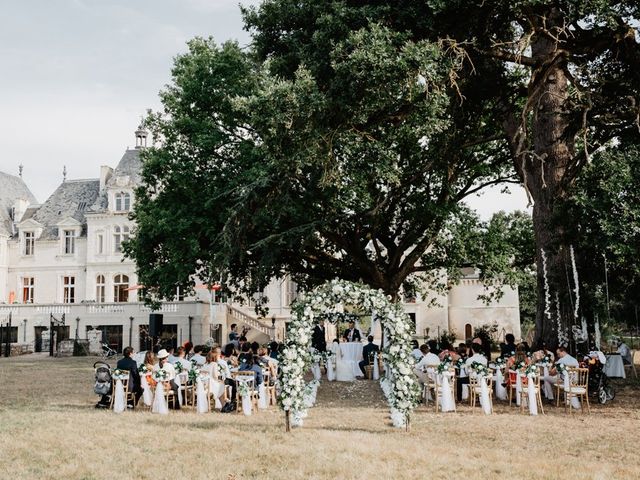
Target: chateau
{"points": [[63, 260]]}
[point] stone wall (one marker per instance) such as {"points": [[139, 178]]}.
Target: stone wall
{"points": [[17, 349]]}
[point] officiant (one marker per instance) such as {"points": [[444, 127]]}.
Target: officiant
{"points": [[352, 334]]}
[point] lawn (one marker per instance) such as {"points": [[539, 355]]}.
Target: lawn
{"points": [[50, 430]]}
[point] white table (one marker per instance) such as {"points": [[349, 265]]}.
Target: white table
{"points": [[352, 354], [614, 366]]}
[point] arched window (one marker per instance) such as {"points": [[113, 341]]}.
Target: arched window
{"points": [[100, 289], [468, 331], [123, 202], [121, 288]]}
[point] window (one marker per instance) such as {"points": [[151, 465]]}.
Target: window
{"points": [[13, 335], [292, 292], [27, 289], [179, 294], [68, 289], [121, 288], [99, 244], [69, 242], [123, 202], [100, 289], [120, 234], [29, 243]]}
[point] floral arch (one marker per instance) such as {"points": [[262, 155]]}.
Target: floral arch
{"points": [[399, 383]]}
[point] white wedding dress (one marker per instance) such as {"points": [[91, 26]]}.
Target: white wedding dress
{"points": [[344, 369]]}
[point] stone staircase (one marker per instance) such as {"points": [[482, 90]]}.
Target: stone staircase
{"points": [[260, 331]]}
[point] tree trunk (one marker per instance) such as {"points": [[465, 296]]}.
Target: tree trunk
{"points": [[544, 170]]}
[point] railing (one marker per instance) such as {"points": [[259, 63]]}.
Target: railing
{"points": [[53, 309], [239, 316], [108, 308]]}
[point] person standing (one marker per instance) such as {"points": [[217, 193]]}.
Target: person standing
{"points": [[319, 338]]}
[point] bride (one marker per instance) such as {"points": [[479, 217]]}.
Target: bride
{"points": [[344, 369]]}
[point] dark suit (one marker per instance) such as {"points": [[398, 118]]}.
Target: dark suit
{"points": [[129, 363], [318, 339], [355, 337], [367, 355]]}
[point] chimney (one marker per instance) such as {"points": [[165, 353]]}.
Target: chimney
{"points": [[105, 175]]}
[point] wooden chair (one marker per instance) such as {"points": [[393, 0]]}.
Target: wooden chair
{"points": [[247, 377], [632, 365], [430, 385], [578, 388], [524, 392], [270, 383], [185, 389], [511, 385], [475, 389], [169, 396], [439, 391], [125, 383]]}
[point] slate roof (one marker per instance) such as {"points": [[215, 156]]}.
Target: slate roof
{"points": [[71, 199], [11, 189], [130, 165]]}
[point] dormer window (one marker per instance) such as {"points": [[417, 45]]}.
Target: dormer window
{"points": [[29, 244], [123, 202], [69, 242]]}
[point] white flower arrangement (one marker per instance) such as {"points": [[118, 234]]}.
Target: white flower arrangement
{"points": [[531, 371], [119, 374], [576, 288], [160, 375], [563, 334], [399, 383], [547, 294]]}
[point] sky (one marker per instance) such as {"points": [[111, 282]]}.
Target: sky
{"points": [[77, 75]]}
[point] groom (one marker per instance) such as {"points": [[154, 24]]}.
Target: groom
{"points": [[352, 334]]}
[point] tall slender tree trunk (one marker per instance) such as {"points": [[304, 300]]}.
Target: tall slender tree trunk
{"points": [[553, 147]]}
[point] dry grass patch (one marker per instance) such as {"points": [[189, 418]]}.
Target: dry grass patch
{"points": [[50, 430]]}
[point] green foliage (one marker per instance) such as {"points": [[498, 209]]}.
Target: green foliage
{"points": [[605, 212], [349, 168]]}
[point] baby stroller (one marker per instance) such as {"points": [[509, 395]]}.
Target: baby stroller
{"points": [[599, 385], [102, 386]]}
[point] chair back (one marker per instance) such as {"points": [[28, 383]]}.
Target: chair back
{"points": [[247, 377], [579, 377], [124, 380]]}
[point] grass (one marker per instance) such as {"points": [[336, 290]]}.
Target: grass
{"points": [[50, 430]]}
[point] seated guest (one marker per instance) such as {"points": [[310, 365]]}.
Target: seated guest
{"points": [[428, 360], [463, 351], [241, 341], [172, 357], [274, 350], [182, 359], [163, 364], [564, 358], [128, 363], [245, 353], [625, 353], [150, 360], [508, 349], [249, 365], [217, 376], [254, 347], [271, 363], [476, 356], [197, 357], [368, 352], [447, 349], [416, 352], [352, 334]]}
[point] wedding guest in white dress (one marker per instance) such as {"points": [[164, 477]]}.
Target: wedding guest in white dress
{"points": [[217, 377], [625, 353]]}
